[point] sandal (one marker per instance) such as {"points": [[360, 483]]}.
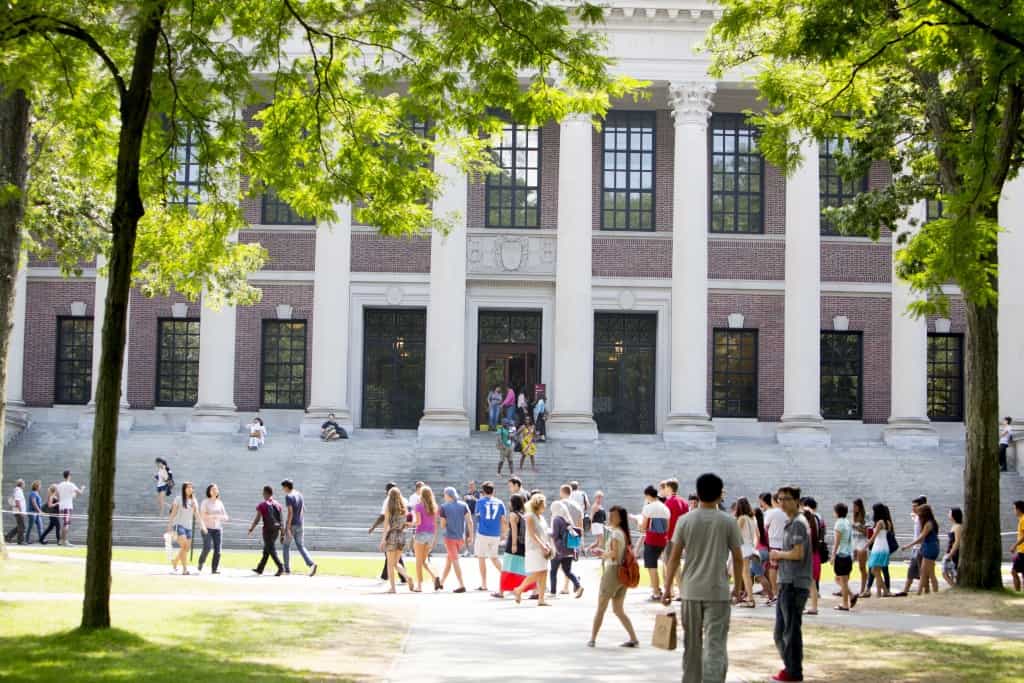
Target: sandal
{"points": [[630, 643], [591, 643], [840, 608], [748, 603], [499, 596], [811, 612]]}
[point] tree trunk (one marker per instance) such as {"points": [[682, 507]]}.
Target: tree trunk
{"points": [[128, 209], [14, 135], [980, 547]]}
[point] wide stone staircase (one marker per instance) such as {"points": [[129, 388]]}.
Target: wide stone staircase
{"points": [[343, 482]]}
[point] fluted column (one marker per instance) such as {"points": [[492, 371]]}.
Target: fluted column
{"points": [[214, 411], [572, 396], [444, 411], [802, 424], [1011, 309], [99, 312], [688, 421], [909, 426], [329, 382], [16, 417]]}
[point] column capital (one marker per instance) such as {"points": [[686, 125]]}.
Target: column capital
{"points": [[577, 118], [691, 102]]}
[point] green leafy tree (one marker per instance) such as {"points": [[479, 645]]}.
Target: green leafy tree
{"points": [[935, 88], [343, 82]]}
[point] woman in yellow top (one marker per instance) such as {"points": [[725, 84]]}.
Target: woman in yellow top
{"points": [[527, 433]]}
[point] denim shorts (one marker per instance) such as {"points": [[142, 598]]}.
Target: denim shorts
{"points": [[163, 488], [424, 538], [183, 531]]}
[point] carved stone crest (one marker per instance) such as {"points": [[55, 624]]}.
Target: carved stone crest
{"points": [[511, 253]]}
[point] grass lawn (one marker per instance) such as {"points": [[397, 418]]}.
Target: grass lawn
{"points": [[157, 642], [1005, 605], [366, 568], [843, 654]]}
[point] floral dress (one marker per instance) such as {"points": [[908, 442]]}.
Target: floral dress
{"points": [[528, 446]]}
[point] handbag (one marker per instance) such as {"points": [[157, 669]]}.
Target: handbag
{"points": [[893, 543], [572, 540], [664, 636]]}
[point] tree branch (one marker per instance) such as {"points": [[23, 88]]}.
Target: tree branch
{"points": [[973, 20]]}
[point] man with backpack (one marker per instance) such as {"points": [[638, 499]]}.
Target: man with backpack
{"points": [[273, 528], [709, 536]]}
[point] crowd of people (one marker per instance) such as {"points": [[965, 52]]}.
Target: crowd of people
{"points": [[520, 424], [32, 511]]}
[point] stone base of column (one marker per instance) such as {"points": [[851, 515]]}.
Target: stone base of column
{"points": [[803, 431], [442, 423], [691, 430], [317, 416], [16, 420], [571, 426], [87, 419], [910, 432], [212, 419]]}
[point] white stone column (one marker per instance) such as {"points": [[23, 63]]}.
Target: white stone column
{"points": [[214, 411], [444, 409], [16, 417], [1011, 308], [688, 421], [572, 396], [99, 312], [802, 424], [909, 426], [329, 380]]}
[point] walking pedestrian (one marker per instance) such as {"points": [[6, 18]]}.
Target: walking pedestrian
{"points": [[1005, 439], [393, 540], [951, 560], [184, 514], [19, 506], [457, 522], [508, 404], [51, 509], [612, 590], [842, 556], [504, 446], [527, 446], [914, 569], [819, 550], [654, 522], [513, 562], [1017, 548], [878, 561], [522, 407], [402, 576], [567, 539], [213, 514], [709, 537], [269, 511], [774, 523], [66, 492], [928, 538], [860, 543], [598, 518], [490, 527], [539, 549], [795, 581], [426, 525], [35, 512], [164, 484], [747, 526], [293, 527]]}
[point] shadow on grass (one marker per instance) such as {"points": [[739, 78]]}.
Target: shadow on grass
{"points": [[116, 655]]}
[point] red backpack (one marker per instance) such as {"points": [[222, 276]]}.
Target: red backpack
{"points": [[629, 570]]}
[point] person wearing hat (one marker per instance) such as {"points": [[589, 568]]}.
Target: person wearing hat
{"points": [[457, 523]]}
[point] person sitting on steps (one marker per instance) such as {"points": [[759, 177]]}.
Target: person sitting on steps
{"points": [[331, 430]]}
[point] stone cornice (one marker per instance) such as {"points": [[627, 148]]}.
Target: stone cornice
{"points": [[660, 11]]}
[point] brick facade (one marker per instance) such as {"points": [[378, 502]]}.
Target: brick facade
{"points": [[44, 301], [764, 313], [642, 257], [286, 249], [248, 337], [859, 261], [373, 253], [873, 317], [143, 317], [774, 200], [744, 259]]}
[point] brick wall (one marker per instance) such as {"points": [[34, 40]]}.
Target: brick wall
{"points": [[873, 317], [957, 316], [142, 343], [640, 257], [855, 262], [774, 200], [248, 337], [880, 176], [286, 249], [744, 259], [374, 253], [44, 301], [764, 313]]}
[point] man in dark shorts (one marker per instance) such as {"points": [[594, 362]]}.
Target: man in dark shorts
{"points": [[654, 522]]}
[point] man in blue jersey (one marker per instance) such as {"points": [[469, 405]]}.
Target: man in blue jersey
{"points": [[490, 527]]}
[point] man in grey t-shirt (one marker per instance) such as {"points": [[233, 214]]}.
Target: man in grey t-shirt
{"points": [[709, 536], [794, 586]]}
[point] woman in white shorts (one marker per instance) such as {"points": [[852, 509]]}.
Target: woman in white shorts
{"points": [[538, 549]]}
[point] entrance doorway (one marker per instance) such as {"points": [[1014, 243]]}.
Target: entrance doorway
{"points": [[624, 364], [508, 354], [394, 368]]}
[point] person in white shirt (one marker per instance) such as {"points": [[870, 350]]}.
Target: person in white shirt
{"points": [[66, 492], [775, 521], [257, 433], [1005, 437], [20, 513], [654, 522], [213, 515], [164, 483]]}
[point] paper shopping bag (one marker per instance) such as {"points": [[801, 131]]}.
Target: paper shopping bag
{"points": [[664, 631]]}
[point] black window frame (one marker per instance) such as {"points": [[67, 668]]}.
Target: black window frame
{"points": [[612, 332], [958, 415], [282, 211], [163, 364], [933, 210], [740, 127], [498, 184], [269, 323], [630, 120], [59, 387], [846, 189], [824, 363], [403, 332], [715, 372], [189, 189]]}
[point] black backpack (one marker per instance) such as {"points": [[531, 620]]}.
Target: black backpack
{"points": [[273, 522]]}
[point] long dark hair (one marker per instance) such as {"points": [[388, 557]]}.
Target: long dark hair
{"points": [[926, 514], [743, 507], [880, 513], [515, 503], [762, 534], [812, 522], [623, 521], [187, 502], [859, 513]]}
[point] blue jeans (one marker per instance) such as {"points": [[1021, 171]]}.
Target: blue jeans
{"points": [[492, 415], [789, 637], [34, 520], [295, 537], [211, 541], [510, 412]]}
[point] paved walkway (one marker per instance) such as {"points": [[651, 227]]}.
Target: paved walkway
{"points": [[456, 637]]}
